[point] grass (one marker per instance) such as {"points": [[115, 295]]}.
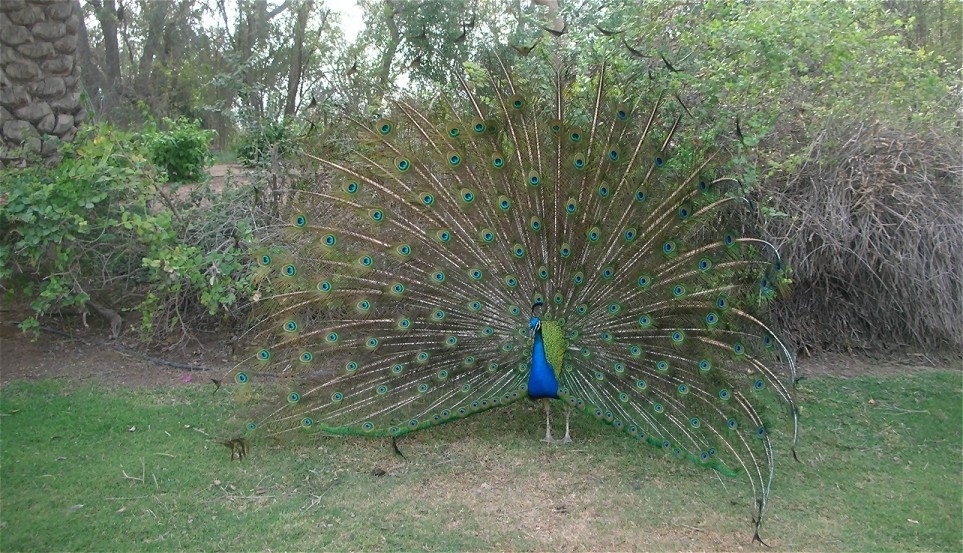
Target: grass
{"points": [[88, 468]]}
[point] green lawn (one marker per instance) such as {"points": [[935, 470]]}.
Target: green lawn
{"points": [[85, 468]]}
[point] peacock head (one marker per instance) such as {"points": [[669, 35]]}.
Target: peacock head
{"points": [[535, 324]]}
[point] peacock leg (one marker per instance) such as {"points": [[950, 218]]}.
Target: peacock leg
{"points": [[548, 421], [567, 438]]}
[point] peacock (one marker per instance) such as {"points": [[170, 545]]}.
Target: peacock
{"points": [[528, 239]]}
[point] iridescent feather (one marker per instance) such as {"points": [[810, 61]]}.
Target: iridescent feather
{"points": [[404, 295]]}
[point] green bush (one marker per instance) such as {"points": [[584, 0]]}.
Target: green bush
{"points": [[183, 151], [254, 145], [98, 227]]}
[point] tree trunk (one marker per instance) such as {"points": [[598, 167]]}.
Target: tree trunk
{"points": [[106, 13], [297, 57], [93, 79], [253, 26], [156, 14], [39, 78], [387, 57]]}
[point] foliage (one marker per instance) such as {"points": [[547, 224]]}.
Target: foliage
{"points": [[855, 139], [804, 79], [100, 228], [183, 151], [216, 61], [93, 468], [200, 58], [254, 146]]}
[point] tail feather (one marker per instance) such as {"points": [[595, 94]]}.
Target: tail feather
{"points": [[401, 297]]}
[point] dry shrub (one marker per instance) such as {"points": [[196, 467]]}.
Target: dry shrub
{"points": [[875, 240]]}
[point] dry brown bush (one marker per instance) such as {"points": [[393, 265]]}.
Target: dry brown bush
{"points": [[875, 240]]}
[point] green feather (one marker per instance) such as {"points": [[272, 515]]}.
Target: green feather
{"points": [[555, 344], [395, 299]]}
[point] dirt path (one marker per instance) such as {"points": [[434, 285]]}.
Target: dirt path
{"points": [[90, 355], [221, 172]]}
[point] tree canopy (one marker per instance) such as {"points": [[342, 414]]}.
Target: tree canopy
{"points": [[234, 62]]}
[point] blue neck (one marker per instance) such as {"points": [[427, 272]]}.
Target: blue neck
{"points": [[542, 382]]}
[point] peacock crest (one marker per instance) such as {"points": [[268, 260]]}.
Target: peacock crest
{"points": [[526, 238]]}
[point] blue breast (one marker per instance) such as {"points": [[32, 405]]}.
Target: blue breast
{"points": [[542, 382]]}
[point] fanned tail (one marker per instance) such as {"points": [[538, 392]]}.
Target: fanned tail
{"points": [[400, 298]]}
